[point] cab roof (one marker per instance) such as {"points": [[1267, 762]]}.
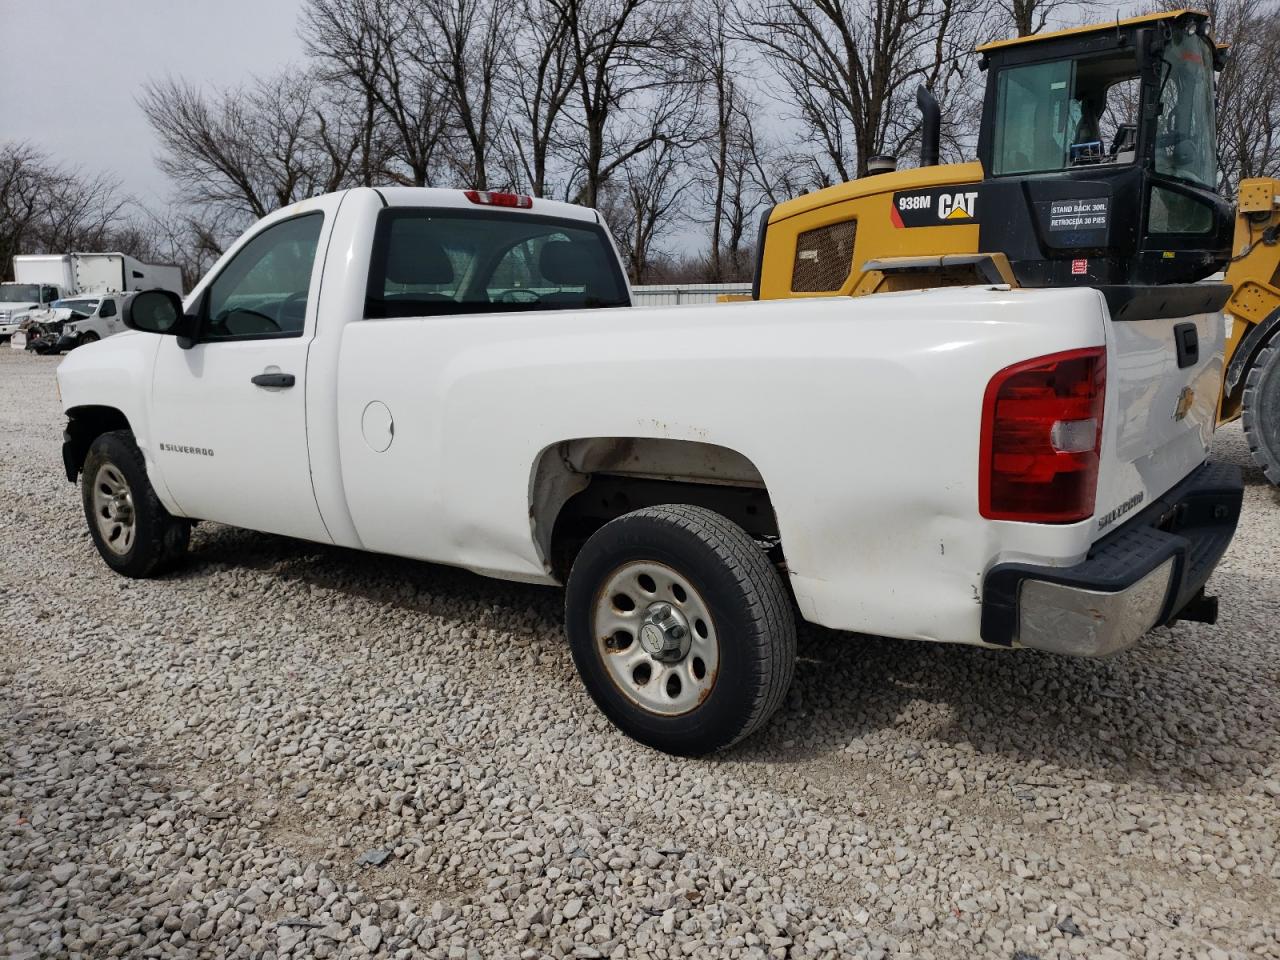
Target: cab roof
{"points": [[1091, 28], [449, 198]]}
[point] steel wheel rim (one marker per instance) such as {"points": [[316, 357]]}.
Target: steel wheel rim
{"points": [[113, 509], [675, 681]]}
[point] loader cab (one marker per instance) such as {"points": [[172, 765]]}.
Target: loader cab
{"points": [[1098, 146]]}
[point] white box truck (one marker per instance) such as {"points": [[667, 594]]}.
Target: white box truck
{"points": [[120, 273], [38, 280]]}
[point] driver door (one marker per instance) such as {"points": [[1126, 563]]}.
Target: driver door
{"points": [[109, 314], [229, 426]]}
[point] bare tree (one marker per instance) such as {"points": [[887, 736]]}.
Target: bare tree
{"points": [[730, 146], [23, 172], [349, 131], [1248, 88], [250, 150], [1027, 17], [653, 185], [850, 69], [380, 48], [467, 45], [633, 88], [48, 208], [543, 76]]}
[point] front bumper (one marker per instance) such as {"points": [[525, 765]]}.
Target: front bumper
{"points": [[1151, 571]]}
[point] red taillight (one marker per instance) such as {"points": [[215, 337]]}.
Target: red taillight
{"points": [[494, 198], [1041, 436]]}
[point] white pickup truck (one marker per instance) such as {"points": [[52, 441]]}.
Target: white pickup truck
{"points": [[442, 375]]}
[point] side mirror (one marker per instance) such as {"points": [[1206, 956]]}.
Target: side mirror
{"points": [[158, 311]]}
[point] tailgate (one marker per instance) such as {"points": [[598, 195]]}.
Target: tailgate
{"points": [[1163, 378]]}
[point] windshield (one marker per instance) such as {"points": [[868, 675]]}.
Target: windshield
{"points": [[20, 293], [1186, 146], [1066, 113], [430, 262], [85, 308]]}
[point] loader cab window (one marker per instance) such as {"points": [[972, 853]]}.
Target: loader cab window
{"points": [[1186, 145], [1065, 114]]}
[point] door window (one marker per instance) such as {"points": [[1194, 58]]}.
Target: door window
{"points": [[264, 290], [108, 308]]}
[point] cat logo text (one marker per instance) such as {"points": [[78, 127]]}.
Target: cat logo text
{"points": [[934, 208]]}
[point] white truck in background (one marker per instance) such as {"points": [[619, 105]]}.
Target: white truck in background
{"points": [[103, 280], [121, 273], [74, 298], [440, 375], [38, 280]]}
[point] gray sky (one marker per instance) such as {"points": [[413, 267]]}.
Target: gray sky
{"points": [[71, 69]]}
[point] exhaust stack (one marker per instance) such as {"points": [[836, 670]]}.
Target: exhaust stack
{"points": [[930, 126]]}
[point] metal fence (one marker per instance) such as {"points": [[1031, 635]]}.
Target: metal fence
{"points": [[671, 294]]}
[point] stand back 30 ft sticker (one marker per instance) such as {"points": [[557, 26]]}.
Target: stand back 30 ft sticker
{"points": [[938, 207]]}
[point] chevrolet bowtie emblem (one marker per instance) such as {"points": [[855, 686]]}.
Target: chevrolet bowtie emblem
{"points": [[1185, 399]]}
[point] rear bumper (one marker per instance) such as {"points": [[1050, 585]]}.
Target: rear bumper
{"points": [[1151, 571]]}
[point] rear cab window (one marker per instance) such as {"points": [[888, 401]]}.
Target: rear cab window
{"points": [[435, 262]]}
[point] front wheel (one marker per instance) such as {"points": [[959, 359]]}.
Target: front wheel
{"points": [[132, 530], [1261, 413], [89, 337], [680, 628]]}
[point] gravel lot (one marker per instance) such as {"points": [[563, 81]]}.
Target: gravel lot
{"points": [[291, 750]]}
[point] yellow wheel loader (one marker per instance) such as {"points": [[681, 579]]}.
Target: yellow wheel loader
{"points": [[1251, 386], [1097, 166]]}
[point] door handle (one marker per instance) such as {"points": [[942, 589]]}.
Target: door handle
{"points": [[274, 380], [1187, 343]]}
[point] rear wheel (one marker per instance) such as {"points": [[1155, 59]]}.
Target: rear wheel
{"points": [[681, 628], [1261, 413], [132, 530]]}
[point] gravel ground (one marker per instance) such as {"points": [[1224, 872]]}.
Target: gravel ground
{"points": [[291, 750]]}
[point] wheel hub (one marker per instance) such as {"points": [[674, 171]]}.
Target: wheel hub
{"points": [[664, 633], [656, 637], [113, 509]]}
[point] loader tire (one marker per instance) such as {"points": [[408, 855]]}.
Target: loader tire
{"points": [[1261, 414]]}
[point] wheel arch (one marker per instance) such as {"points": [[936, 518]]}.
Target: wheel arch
{"points": [[84, 425], [577, 485]]}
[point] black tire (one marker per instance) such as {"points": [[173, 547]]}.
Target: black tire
{"points": [[89, 337], [1261, 410], [158, 539], [748, 603]]}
